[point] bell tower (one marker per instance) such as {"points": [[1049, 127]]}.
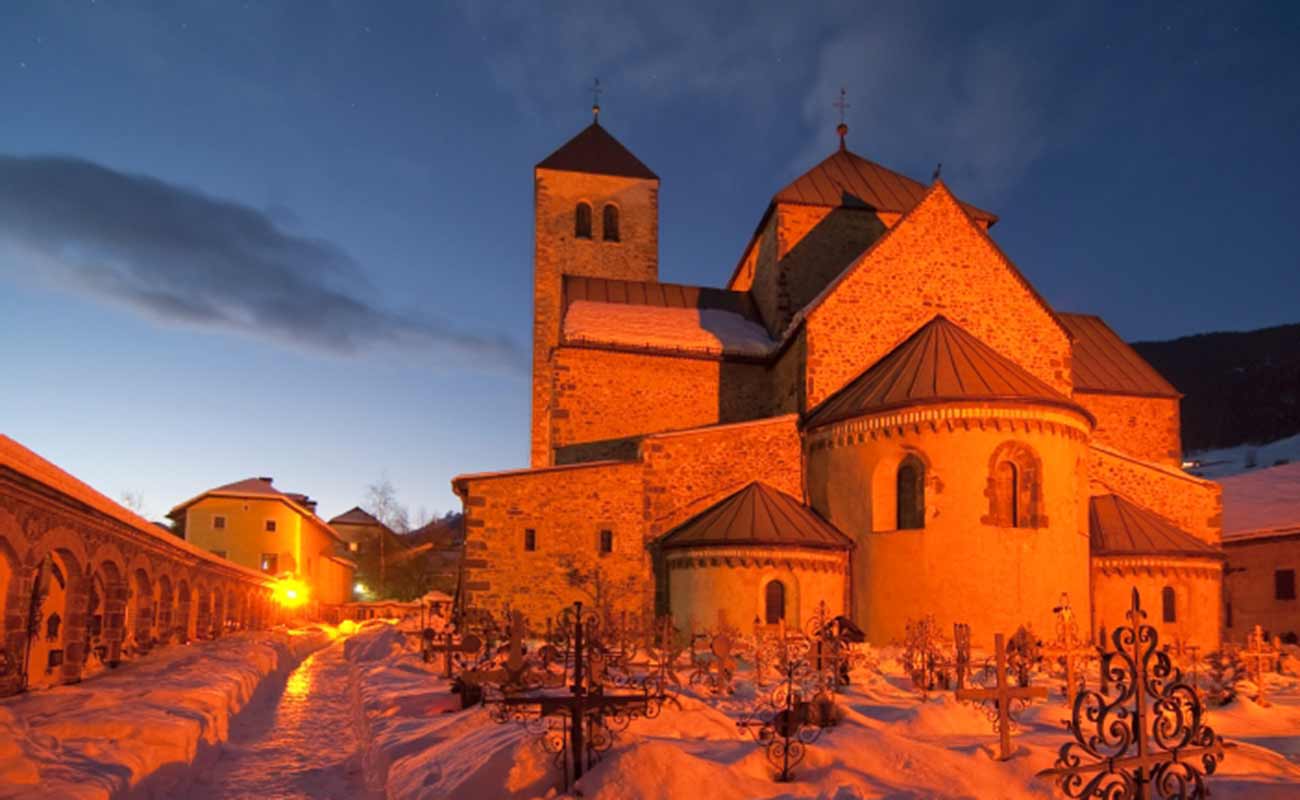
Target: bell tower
{"points": [[596, 215]]}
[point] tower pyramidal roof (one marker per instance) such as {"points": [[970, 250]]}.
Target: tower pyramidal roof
{"points": [[594, 150]]}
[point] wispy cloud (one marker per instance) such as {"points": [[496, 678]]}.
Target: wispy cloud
{"points": [[924, 86], [181, 256]]}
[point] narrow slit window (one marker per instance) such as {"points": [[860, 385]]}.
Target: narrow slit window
{"points": [[606, 542], [610, 223], [1168, 607], [582, 221], [530, 539]]}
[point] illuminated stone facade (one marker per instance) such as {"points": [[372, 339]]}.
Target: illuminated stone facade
{"points": [[645, 440]]}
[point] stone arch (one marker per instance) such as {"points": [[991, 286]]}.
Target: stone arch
{"points": [[140, 604], [54, 589], [218, 610], [12, 624], [203, 610], [1015, 487], [183, 619], [164, 603]]}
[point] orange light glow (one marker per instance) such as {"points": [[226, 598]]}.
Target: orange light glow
{"points": [[290, 592]]}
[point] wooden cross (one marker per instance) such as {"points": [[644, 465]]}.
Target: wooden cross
{"points": [[1071, 651], [583, 706], [1003, 692], [1258, 657]]}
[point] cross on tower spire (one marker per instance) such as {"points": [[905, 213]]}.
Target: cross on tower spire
{"points": [[595, 100], [842, 129]]}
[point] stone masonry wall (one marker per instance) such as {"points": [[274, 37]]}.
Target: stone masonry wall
{"points": [[935, 261], [567, 507], [557, 252], [815, 245], [1190, 502], [605, 394], [1147, 427]]}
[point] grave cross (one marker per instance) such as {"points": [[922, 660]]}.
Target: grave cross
{"points": [[1003, 692], [514, 673], [468, 644], [583, 707], [1258, 657], [1071, 651]]}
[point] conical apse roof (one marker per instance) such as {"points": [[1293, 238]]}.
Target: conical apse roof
{"points": [[757, 514], [939, 363]]}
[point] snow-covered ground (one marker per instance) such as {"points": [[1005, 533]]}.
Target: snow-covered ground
{"points": [[144, 728], [1215, 464], [891, 743]]}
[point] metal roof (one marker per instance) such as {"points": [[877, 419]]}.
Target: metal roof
{"points": [[654, 293], [595, 151], [847, 179], [758, 515], [939, 363], [1119, 527], [1103, 362]]}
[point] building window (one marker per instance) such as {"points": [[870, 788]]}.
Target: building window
{"points": [[218, 523], [353, 546], [606, 542], [910, 494], [269, 562], [609, 218], [270, 526], [530, 539], [582, 221], [1015, 488], [774, 603], [1169, 612], [1284, 584]]}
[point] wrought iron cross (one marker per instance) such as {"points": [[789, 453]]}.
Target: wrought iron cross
{"points": [[842, 129], [583, 706], [1003, 692], [1071, 650]]}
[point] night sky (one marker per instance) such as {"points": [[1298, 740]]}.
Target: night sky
{"points": [[295, 239]]}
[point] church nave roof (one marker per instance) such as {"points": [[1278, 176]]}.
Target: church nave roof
{"points": [[940, 362], [1103, 362], [757, 515]]}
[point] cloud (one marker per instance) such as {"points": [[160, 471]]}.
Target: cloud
{"points": [[180, 256]]}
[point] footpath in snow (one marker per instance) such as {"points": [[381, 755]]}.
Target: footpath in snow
{"points": [[145, 728]]}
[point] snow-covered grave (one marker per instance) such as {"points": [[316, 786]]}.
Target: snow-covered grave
{"points": [[891, 742]]}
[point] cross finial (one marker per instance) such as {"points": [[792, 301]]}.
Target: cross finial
{"points": [[934, 176], [842, 129], [595, 100]]}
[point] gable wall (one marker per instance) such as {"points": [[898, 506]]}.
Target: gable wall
{"points": [[567, 508], [1147, 427], [936, 261]]}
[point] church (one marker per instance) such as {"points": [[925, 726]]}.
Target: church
{"points": [[876, 410]]}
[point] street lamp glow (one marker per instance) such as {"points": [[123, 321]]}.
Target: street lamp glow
{"points": [[290, 592]]}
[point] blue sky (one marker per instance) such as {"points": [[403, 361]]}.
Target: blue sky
{"points": [[294, 239]]}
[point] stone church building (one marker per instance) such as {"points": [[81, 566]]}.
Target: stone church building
{"points": [[877, 410]]}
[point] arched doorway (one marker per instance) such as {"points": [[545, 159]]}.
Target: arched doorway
{"points": [[163, 602], [110, 584], [774, 602], [48, 611], [142, 614]]}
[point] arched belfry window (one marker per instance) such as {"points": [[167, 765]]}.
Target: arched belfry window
{"points": [[1167, 605], [910, 494], [582, 221], [774, 603], [1015, 488], [610, 222]]}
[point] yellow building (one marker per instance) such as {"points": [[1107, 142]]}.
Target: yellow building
{"points": [[253, 524]]}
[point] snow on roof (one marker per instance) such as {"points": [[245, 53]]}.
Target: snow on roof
{"points": [[1261, 500], [27, 463], [706, 331]]}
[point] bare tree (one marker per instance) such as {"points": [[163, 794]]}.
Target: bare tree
{"points": [[381, 502], [133, 501]]}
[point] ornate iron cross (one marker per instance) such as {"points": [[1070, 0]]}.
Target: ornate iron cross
{"points": [[583, 710], [1003, 693], [1149, 739]]}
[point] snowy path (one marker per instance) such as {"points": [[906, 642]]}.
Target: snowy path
{"points": [[298, 743]]}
